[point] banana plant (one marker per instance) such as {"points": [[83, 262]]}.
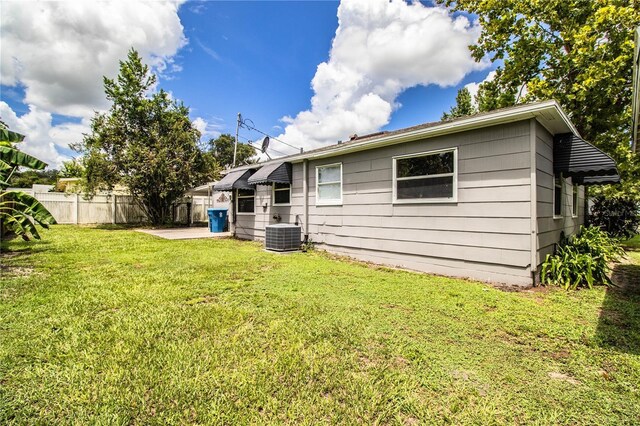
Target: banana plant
{"points": [[12, 158], [19, 212]]}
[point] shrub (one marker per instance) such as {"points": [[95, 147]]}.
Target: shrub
{"points": [[582, 260], [617, 216]]}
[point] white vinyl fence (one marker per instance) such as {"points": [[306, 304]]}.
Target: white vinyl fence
{"points": [[74, 209]]}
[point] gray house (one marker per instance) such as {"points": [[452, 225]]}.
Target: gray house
{"points": [[485, 197]]}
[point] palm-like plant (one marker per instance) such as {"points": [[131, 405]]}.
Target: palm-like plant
{"points": [[19, 212]]}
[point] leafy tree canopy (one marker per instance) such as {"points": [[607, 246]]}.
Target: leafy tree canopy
{"points": [[578, 52], [464, 106], [221, 149], [72, 169], [145, 142], [27, 178]]}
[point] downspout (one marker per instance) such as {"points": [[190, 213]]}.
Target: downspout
{"points": [[586, 216], [233, 210], [305, 197], [533, 187]]}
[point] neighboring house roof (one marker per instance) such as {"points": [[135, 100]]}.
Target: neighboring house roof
{"points": [[202, 190], [69, 184], [548, 113], [635, 102]]}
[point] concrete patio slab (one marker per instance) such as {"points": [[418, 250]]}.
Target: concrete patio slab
{"points": [[184, 233]]}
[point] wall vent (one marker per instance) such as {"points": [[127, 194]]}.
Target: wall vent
{"points": [[282, 237]]}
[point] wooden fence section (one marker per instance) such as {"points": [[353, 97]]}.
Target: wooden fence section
{"points": [[74, 209]]}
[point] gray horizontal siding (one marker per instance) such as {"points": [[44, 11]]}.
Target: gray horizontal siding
{"points": [[442, 266], [485, 235], [550, 228]]}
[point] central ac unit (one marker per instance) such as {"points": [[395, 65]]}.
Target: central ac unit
{"points": [[282, 237]]}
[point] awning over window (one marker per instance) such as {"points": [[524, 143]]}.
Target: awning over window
{"points": [[596, 180], [234, 180], [578, 159], [272, 173]]}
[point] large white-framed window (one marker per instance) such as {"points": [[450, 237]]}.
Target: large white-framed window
{"points": [[558, 196], [426, 177], [329, 184], [245, 201], [281, 194], [574, 200]]}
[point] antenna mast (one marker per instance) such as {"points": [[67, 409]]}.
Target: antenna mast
{"points": [[235, 145]]}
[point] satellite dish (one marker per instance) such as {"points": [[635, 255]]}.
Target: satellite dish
{"points": [[265, 144]]}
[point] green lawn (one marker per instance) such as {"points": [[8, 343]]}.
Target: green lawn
{"points": [[633, 243], [112, 326]]}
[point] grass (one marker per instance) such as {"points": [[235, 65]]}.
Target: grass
{"points": [[633, 243], [110, 326]]}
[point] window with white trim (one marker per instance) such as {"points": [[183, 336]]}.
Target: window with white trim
{"points": [[281, 194], [557, 195], [245, 201], [426, 177], [574, 200], [329, 184]]}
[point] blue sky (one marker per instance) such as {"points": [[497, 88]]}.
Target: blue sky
{"points": [[391, 65], [257, 58]]}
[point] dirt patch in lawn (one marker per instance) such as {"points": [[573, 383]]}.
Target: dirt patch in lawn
{"points": [[620, 312], [10, 271], [626, 276]]}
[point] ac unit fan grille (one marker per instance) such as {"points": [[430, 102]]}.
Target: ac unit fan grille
{"points": [[282, 237]]}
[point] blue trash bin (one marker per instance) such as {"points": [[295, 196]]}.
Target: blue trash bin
{"points": [[217, 219]]}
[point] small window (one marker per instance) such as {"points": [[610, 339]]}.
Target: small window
{"points": [[427, 177], [557, 196], [574, 199], [281, 193], [329, 184], [246, 201]]}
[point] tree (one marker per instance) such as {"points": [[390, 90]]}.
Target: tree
{"points": [[464, 106], [145, 142], [19, 212], [71, 169], [578, 52], [27, 178], [221, 149], [618, 217]]}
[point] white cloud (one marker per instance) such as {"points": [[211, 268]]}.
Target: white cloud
{"points": [[42, 137], [207, 129], [380, 49], [59, 52], [209, 51]]}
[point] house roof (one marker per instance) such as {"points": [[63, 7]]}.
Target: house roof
{"points": [[547, 113]]}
